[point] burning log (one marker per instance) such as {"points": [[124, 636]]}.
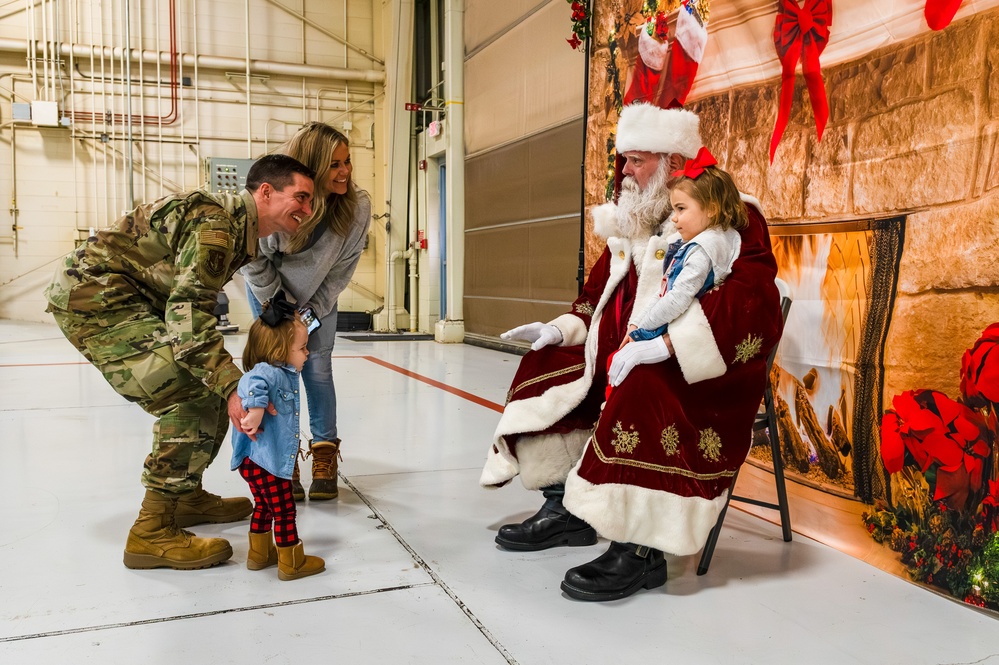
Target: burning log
{"points": [[836, 431], [829, 460], [794, 449]]}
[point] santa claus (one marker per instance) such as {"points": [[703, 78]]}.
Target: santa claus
{"points": [[649, 466]]}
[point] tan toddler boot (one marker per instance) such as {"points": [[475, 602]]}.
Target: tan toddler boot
{"points": [[263, 553], [294, 563]]}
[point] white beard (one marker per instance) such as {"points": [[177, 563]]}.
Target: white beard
{"points": [[641, 212]]}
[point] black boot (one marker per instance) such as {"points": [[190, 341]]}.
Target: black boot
{"points": [[617, 573], [551, 526]]}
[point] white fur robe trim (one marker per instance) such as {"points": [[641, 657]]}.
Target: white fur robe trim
{"points": [[629, 514], [604, 219], [537, 413]]}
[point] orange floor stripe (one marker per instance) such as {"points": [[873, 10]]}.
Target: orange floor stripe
{"points": [[431, 382]]}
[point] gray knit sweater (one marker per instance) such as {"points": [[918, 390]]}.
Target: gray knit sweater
{"points": [[315, 277]]}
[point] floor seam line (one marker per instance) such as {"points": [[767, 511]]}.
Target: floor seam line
{"points": [[433, 575], [200, 615]]}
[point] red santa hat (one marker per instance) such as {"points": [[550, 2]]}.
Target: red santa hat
{"points": [[652, 129]]}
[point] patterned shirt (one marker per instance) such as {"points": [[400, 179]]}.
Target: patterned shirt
{"points": [[164, 261]]}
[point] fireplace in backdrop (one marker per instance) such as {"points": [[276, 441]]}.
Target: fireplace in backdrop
{"points": [[828, 375]]}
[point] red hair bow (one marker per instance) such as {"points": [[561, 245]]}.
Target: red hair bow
{"points": [[695, 167]]}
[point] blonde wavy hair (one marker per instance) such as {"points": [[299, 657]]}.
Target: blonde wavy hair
{"points": [[313, 145], [715, 190], [267, 344]]}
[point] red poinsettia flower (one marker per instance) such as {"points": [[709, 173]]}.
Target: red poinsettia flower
{"points": [[906, 428], [980, 370], [936, 430], [574, 42], [992, 498]]}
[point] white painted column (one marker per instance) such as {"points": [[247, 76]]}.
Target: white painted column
{"points": [[452, 327]]}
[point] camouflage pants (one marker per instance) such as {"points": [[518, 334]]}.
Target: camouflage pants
{"points": [[138, 362]]}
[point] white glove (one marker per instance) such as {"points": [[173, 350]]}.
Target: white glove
{"points": [[636, 353], [539, 334]]}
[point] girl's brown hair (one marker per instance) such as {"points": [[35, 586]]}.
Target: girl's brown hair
{"points": [[715, 191], [313, 145], [266, 344]]}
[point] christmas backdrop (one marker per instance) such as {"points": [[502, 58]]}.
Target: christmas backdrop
{"points": [[868, 131]]}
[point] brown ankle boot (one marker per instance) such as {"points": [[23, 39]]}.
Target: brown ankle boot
{"points": [[324, 467], [201, 507], [297, 491], [294, 563], [155, 541], [263, 554]]}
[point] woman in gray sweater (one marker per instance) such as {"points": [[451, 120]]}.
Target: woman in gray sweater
{"points": [[314, 266]]}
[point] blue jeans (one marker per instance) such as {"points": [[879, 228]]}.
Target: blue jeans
{"points": [[317, 374]]}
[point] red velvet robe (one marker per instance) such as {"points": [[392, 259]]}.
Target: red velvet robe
{"points": [[669, 439]]}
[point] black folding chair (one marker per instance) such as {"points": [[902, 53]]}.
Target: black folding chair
{"points": [[767, 420]]}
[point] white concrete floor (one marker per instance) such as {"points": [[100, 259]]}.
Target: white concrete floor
{"points": [[413, 575]]}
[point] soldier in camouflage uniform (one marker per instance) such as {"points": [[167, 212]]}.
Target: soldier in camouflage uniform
{"points": [[138, 301]]}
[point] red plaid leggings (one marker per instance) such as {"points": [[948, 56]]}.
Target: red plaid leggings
{"points": [[273, 503]]}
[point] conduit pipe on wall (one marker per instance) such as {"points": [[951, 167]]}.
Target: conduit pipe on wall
{"points": [[126, 54], [413, 221], [216, 62], [410, 255]]}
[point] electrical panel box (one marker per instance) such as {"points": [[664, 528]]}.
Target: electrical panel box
{"points": [[228, 174]]}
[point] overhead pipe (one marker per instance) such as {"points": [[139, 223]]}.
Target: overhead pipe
{"points": [[217, 62]]}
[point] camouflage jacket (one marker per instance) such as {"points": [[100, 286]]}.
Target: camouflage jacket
{"points": [[156, 272]]}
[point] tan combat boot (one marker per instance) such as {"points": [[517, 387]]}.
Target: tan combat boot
{"points": [[155, 541], [324, 463], [297, 491], [263, 554], [201, 507], [294, 563]]}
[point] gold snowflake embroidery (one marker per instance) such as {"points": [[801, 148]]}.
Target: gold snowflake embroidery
{"points": [[584, 308], [670, 440], [710, 445], [624, 442], [748, 348]]}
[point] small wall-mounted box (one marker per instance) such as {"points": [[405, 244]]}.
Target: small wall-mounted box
{"points": [[44, 114], [20, 111]]}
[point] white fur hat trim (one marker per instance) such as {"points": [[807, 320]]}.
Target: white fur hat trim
{"points": [[653, 129]]}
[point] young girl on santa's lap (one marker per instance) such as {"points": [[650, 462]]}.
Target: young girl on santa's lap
{"points": [[708, 213]]}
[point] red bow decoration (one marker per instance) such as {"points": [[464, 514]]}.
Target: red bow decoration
{"points": [[801, 33], [695, 167], [939, 13]]}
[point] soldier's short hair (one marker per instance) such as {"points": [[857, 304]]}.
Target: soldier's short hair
{"points": [[277, 170]]}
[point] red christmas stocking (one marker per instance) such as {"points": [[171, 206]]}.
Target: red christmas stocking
{"points": [[939, 13], [648, 69], [644, 81], [685, 56]]}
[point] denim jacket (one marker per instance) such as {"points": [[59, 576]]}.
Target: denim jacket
{"points": [[277, 442]]}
